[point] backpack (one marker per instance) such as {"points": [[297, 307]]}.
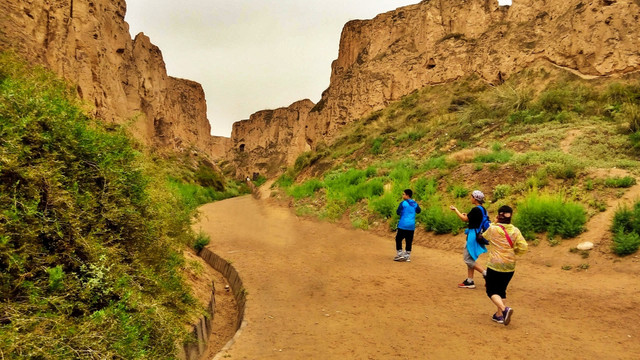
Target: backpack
{"points": [[484, 225]]}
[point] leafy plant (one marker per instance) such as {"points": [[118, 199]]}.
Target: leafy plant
{"points": [[201, 241], [626, 230], [551, 213], [620, 182], [84, 213]]}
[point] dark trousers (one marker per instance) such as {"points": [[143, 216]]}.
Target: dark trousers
{"points": [[406, 235], [497, 282]]}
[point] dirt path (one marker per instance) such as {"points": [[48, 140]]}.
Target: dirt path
{"points": [[318, 291]]}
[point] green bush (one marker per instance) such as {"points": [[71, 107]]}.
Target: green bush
{"points": [[439, 162], [626, 230], [424, 188], [207, 177], [435, 218], [500, 157], [385, 205], [620, 182], [306, 189], [550, 213], [376, 145], [625, 243], [501, 192], [201, 241], [260, 181], [284, 181], [194, 195], [458, 191], [634, 138], [83, 213], [306, 159], [334, 209]]}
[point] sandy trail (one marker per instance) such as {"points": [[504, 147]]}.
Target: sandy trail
{"points": [[319, 291]]}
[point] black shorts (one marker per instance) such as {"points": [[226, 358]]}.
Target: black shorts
{"points": [[497, 282]]}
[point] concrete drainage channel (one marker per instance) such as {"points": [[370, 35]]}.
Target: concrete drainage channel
{"points": [[203, 328]]}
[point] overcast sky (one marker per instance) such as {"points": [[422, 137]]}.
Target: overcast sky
{"points": [[250, 55]]}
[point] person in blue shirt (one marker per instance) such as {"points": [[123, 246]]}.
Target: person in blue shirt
{"points": [[407, 209]]}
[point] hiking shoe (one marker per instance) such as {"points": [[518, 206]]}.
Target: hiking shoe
{"points": [[508, 312], [407, 258], [498, 319], [467, 284], [400, 257]]}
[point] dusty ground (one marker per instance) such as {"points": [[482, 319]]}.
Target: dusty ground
{"points": [[320, 291]]}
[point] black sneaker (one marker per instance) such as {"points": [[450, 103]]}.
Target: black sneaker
{"points": [[467, 284]]}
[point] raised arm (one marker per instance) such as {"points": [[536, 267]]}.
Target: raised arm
{"points": [[462, 216]]}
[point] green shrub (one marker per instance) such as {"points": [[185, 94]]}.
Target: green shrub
{"points": [[563, 170], [207, 177], [501, 192], [528, 116], [458, 191], [84, 213], [620, 182], [194, 195], [634, 138], [500, 156], [424, 188], [440, 221], [376, 145], [260, 181], [201, 241], [555, 100], [550, 213], [412, 135], [626, 230], [306, 189], [284, 181], [56, 278], [385, 205], [625, 243], [436, 163], [359, 223], [306, 159], [334, 209]]}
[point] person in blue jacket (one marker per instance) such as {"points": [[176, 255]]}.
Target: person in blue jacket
{"points": [[407, 209]]}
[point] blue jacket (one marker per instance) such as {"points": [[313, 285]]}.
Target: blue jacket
{"points": [[407, 211]]}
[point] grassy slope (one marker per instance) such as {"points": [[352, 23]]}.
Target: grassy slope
{"points": [[91, 229], [537, 141]]}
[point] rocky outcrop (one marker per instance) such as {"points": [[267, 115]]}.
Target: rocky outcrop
{"points": [[271, 139], [123, 80], [383, 59], [436, 41]]}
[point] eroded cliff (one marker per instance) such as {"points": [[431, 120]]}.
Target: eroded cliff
{"points": [[436, 41], [88, 43], [271, 139]]}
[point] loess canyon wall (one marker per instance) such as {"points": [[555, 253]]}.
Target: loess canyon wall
{"points": [[379, 61], [122, 79], [270, 139], [437, 41]]}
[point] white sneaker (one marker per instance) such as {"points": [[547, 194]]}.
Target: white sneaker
{"points": [[401, 256]]}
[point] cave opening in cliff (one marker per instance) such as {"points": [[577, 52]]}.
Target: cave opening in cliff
{"points": [[241, 148]]}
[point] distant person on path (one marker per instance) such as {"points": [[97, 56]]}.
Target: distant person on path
{"points": [[472, 248], [505, 242], [407, 209]]}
